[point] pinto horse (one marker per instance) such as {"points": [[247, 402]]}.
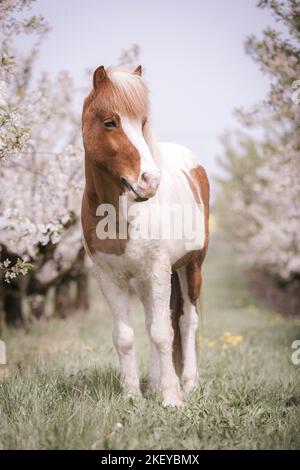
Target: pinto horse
{"points": [[123, 160]]}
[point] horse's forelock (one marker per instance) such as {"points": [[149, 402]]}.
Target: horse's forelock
{"points": [[124, 92]]}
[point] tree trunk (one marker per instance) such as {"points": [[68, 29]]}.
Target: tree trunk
{"points": [[2, 311], [82, 297], [37, 305], [13, 308], [63, 300]]}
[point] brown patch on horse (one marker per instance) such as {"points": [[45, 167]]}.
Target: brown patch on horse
{"points": [[89, 222], [194, 279], [193, 260], [199, 184], [184, 260], [103, 186]]}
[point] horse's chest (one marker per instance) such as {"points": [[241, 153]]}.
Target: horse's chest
{"points": [[136, 261]]}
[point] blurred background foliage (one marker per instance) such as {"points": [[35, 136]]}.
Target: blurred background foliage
{"points": [[258, 203]]}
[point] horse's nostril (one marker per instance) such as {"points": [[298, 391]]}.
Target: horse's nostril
{"points": [[146, 177], [148, 182], [126, 183]]}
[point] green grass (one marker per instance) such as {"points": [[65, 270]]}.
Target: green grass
{"points": [[61, 390]]}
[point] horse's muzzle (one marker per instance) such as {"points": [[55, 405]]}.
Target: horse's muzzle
{"points": [[148, 184], [145, 188]]}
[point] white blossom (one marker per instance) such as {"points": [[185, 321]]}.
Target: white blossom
{"points": [[261, 192]]}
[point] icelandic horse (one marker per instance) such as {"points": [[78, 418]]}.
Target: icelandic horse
{"points": [[123, 159]]}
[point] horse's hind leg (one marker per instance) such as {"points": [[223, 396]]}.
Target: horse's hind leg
{"points": [[190, 282], [123, 337]]}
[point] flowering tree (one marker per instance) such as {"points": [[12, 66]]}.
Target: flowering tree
{"points": [[260, 196], [13, 130], [41, 172]]}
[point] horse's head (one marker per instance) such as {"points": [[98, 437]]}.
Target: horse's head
{"points": [[114, 124]]}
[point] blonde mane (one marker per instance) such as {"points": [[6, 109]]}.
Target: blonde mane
{"points": [[124, 92]]}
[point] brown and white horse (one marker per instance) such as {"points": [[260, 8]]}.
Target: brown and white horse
{"points": [[122, 159]]}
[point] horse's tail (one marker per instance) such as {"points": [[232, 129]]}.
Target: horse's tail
{"points": [[176, 306]]}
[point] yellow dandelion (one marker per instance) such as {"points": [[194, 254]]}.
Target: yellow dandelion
{"points": [[233, 340], [252, 308], [89, 348], [211, 343]]}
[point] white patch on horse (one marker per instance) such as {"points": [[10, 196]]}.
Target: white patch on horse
{"points": [[133, 130]]}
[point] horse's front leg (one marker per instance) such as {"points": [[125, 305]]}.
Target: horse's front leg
{"points": [[142, 289], [123, 336], [161, 332]]}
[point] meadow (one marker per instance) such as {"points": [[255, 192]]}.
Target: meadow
{"points": [[61, 388]]}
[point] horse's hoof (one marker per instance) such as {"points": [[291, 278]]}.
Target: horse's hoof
{"points": [[175, 403], [172, 399]]}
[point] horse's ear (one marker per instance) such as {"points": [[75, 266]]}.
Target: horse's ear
{"points": [[98, 76], [138, 70]]}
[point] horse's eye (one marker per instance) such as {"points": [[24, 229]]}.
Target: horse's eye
{"points": [[110, 124]]}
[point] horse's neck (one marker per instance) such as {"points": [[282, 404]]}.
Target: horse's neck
{"points": [[99, 191], [100, 188]]}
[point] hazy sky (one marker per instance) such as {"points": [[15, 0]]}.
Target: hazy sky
{"points": [[192, 51]]}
